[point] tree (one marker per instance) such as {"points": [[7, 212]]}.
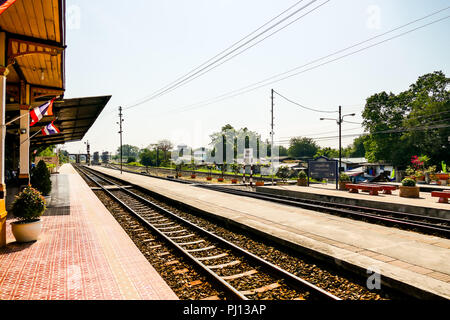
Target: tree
{"points": [[327, 152], [128, 151], [131, 159], [40, 178], [409, 123], [301, 147], [164, 146]]}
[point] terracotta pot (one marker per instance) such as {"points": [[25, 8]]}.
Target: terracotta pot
{"points": [[421, 178], [26, 232], [179, 174], [233, 181], [209, 178], [302, 182], [193, 176], [220, 179], [259, 183], [409, 192]]}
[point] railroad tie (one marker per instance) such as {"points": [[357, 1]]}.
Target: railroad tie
{"points": [[183, 237], [172, 262], [211, 298], [260, 290], [201, 249], [189, 243], [162, 254], [240, 275], [224, 265], [181, 271], [212, 257]]}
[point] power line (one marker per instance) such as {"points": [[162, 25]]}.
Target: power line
{"points": [[264, 83], [400, 130], [302, 106], [189, 77]]}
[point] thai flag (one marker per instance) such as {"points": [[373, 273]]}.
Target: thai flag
{"points": [[4, 4], [50, 129], [39, 112]]}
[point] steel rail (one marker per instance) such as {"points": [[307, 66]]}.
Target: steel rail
{"points": [[292, 279], [331, 207], [378, 215]]}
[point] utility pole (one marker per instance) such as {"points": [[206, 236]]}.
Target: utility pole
{"points": [[339, 122], [120, 132], [340, 140], [271, 136]]}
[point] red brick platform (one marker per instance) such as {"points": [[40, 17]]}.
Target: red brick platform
{"points": [[82, 253]]}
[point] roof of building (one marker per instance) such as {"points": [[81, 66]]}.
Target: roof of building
{"points": [[35, 34], [74, 118]]}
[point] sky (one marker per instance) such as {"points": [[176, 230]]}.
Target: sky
{"points": [[131, 51]]}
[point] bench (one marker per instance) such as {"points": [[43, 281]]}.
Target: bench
{"points": [[372, 188], [443, 195]]}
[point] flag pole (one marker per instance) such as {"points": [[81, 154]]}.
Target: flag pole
{"points": [[29, 138], [19, 117]]}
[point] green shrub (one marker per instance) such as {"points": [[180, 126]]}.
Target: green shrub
{"points": [[136, 164], [29, 205], [131, 159], [408, 182], [302, 175], [40, 178], [344, 177], [283, 172]]}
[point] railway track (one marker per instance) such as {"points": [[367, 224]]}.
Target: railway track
{"points": [[425, 224], [409, 221], [241, 274]]}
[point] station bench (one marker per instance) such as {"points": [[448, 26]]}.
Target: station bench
{"points": [[372, 188], [443, 195]]}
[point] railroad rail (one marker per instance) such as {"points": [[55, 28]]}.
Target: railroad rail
{"points": [[426, 224], [217, 258], [410, 221]]}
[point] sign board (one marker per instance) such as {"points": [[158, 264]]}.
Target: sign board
{"points": [[248, 155], [323, 168], [48, 160]]}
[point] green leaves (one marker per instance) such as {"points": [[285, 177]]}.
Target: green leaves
{"points": [[28, 205]]}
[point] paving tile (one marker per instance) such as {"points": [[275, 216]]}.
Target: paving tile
{"points": [[76, 258], [401, 264], [420, 270], [439, 276], [383, 258]]}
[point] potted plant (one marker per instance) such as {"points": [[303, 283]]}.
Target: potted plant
{"points": [[343, 180], [235, 168], [28, 206], [222, 169], [209, 178], [408, 189], [40, 180], [302, 179]]}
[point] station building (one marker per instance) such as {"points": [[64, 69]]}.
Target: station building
{"points": [[32, 72]]}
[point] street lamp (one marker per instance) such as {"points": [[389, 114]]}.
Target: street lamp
{"points": [[339, 122]]}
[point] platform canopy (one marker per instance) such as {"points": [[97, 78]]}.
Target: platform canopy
{"points": [[35, 39]]}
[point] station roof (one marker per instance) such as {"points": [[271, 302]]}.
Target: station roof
{"points": [[74, 118], [35, 35]]}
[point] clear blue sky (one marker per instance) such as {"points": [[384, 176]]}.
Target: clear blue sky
{"points": [[131, 50]]}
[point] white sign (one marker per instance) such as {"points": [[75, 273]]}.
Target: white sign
{"points": [[248, 156]]}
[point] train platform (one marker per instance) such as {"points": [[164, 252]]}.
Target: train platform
{"points": [[409, 261], [425, 205], [82, 253]]}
